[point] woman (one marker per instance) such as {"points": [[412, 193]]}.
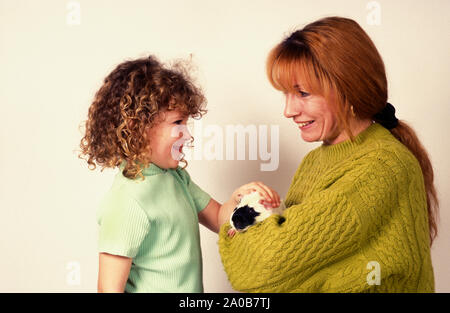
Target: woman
{"points": [[361, 209]]}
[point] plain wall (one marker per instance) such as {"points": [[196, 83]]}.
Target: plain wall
{"points": [[55, 55]]}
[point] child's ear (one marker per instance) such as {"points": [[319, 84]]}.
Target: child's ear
{"points": [[131, 123]]}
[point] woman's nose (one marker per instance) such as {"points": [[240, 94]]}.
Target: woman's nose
{"points": [[292, 107]]}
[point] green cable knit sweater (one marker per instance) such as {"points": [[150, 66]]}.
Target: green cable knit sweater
{"points": [[356, 211]]}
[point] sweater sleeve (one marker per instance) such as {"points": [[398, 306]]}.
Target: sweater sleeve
{"points": [[323, 229]]}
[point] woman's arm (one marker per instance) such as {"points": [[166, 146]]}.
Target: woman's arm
{"points": [[324, 228], [113, 272]]}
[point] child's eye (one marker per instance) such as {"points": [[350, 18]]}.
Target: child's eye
{"points": [[178, 122]]}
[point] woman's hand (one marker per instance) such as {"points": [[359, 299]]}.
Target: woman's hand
{"points": [[270, 199], [270, 196]]}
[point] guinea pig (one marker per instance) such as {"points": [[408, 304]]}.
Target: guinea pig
{"points": [[249, 212]]}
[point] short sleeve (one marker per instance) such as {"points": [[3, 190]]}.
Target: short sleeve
{"points": [[200, 197], [123, 228]]}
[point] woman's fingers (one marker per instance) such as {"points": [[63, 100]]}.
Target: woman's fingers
{"points": [[275, 198], [271, 197], [268, 194]]}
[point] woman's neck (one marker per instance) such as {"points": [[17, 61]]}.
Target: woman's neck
{"points": [[356, 127]]}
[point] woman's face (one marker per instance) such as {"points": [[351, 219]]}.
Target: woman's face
{"points": [[167, 139], [314, 118]]}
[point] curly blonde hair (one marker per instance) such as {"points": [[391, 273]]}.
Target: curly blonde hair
{"points": [[128, 104]]}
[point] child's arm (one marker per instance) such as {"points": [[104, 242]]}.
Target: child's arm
{"points": [[113, 272], [215, 215]]}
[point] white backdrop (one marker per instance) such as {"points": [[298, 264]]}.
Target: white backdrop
{"points": [[55, 54]]}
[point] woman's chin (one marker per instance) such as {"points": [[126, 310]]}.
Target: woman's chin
{"points": [[308, 138]]}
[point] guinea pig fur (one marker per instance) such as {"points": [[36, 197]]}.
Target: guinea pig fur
{"points": [[249, 212]]}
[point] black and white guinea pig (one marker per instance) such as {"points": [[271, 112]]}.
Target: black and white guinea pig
{"points": [[249, 212]]}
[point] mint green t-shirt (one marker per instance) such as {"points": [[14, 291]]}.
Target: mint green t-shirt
{"points": [[154, 222]]}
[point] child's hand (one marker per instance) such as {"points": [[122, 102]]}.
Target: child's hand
{"points": [[231, 232], [271, 197]]}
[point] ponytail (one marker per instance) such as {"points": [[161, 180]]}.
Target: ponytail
{"points": [[407, 136]]}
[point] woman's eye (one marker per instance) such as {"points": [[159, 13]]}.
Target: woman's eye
{"points": [[303, 94], [178, 122]]}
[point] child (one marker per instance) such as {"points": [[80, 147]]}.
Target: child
{"points": [[149, 235]]}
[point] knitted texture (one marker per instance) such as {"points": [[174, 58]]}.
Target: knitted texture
{"points": [[352, 208]]}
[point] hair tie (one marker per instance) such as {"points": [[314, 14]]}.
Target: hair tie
{"points": [[386, 117]]}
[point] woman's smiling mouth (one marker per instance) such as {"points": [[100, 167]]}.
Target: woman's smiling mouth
{"points": [[304, 125]]}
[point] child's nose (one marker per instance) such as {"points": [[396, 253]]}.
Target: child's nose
{"points": [[187, 134], [181, 131]]}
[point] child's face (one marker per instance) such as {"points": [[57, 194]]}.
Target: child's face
{"points": [[167, 139]]}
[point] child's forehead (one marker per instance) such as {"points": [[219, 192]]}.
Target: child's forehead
{"points": [[172, 114]]}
